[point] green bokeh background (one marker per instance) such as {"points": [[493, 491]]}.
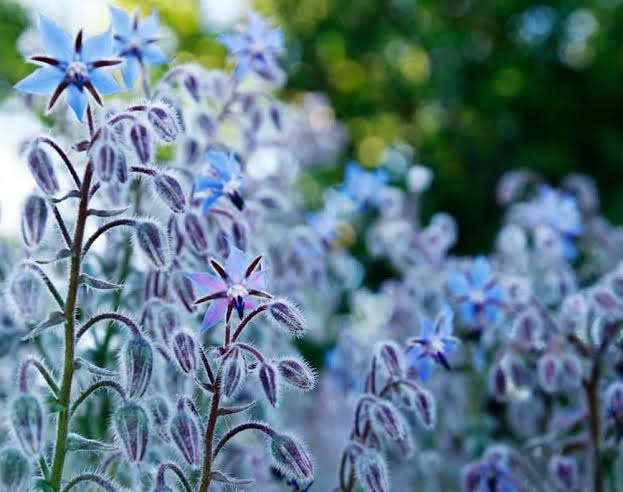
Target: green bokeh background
{"points": [[447, 76]]}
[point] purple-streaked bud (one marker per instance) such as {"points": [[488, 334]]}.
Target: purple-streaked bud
{"points": [[34, 220], [27, 421], [291, 458], [185, 352], [386, 420], [185, 434], [140, 138], [156, 284], [149, 317], [614, 401], [232, 371], [164, 122], [571, 373], [104, 158], [604, 300], [528, 330], [239, 235], [15, 471], [170, 191], [26, 291], [206, 123], [184, 291], [222, 243], [191, 83], [425, 408], [269, 379], [160, 415], [175, 235], [132, 428], [168, 321], [371, 471], [287, 316], [154, 244], [275, 116], [41, 168], [190, 151], [138, 358], [392, 358], [296, 373], [195, 232], [497, 382], [563, 472], [122, 171], [548, 368]]}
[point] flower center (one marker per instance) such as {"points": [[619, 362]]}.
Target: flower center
{"points": [[77, 72], [477, 297], [237, 290], [231, 187], [436, 345]]}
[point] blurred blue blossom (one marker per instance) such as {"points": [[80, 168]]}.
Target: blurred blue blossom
{"points": [[362, 186], [224, 181]]}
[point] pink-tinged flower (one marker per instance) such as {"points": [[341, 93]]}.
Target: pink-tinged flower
{"points": [[231, 288]]}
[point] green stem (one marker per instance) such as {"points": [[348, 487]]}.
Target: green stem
{"points": [[62, 427]]}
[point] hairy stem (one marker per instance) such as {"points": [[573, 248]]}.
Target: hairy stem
{"points": [[206, 469]]}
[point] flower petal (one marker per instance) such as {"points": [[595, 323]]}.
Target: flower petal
{"points": [[56, 42], [480, 272], [236, 263], [208, 283], [42, 81], [149, 27], [98, 47], [76, 100], [214, 314], [121, 21], [258, 280], [104, 82], [129, 70], [154, 55], [457, 284]]}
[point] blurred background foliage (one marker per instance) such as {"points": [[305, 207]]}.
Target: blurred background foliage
{"points": [[477, 87]]}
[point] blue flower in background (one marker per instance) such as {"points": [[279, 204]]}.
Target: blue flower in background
{"points": [[362, 186], [72, 68], [325, 225], [225, 180], [135, 42], [434, 343], [477, 293], [492, 474], [254, 48]]}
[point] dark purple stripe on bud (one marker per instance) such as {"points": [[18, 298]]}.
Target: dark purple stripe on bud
{"points": [[296, 373], [185, 434], [392, 358], [386, 420], [132, 428], [141, 141], [104, 158], [239, 235], [26, 291], [291, 458], [154, 243], [184, 291], [164, 123], [168, 322], [287, 316], [170, 191], [564, 473], [27, 422], [34, 220], [371, 472], [195, 232], [41, 168], [138, 358], [270, 383], [425, 408], [156, 284], [548, 368], [122, 171], [15, 470], [185, 352], [232, 371], [191, 83], [160, 415]]}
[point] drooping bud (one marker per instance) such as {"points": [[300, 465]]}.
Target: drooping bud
{"points": [[175, 235], [195, 232], [34, 220], [104, 158], [168, 321], [191, 83], [140, 138], [270, 383], [156, 284], [14, 470], [571, 373], [138, 358], [41, 168], [170, 191], [291, 458], [425, 408], [27, 421], [154, 244], [164, 122], [497, 382], [222, 243], [184, 291], [392, 358], [190, 151], [122, 172], [26, 291], [614, 402], [296, 373], [232, 371], [239, 234], [548, 368], [160, 414], [563, 472], [287, 316], [185, 352], [386, 420], [185, 434], [371, 471], [132, 428], [207, 125]]}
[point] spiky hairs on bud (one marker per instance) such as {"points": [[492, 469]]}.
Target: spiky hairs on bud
{"points": [[138, 363], [164, 121], [26, 289], [41, 168], [291, 457], [297, 373], [14, 470], [287, 316], [170, 192], [371, 471], [34, 220], [27, 421], [269, 379], [154, 243], [131, 424]]}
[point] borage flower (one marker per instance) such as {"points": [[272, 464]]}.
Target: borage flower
{"points": [[71, 68], [231, 287], [224, 181], [477, 293], [493, 474], [364, 187], [254, 48], [434, 343], [135, 42]]}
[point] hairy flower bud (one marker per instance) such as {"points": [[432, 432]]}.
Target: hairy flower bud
{"points": [[122, 171], [14, 470], [27, 421], [34, 220], [140, 138], [132, 427], [185, 434], [184, 291], [497, 382], [170, 191], [371, 471], [26, 291], [232, 371], [164, 122], [195, 232], [287, 316], [563, 472], [41, 168], [269, 379], [392, 358], [160, 415], [296, 373], [168, 321], [138, 358], [614, 402], [185, 352], [425, 408], [104, 158], [154, 243], [156, 284], [548, 369], [291, 458], [386, 420], [190, 151]]}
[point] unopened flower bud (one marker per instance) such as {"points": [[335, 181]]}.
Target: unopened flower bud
{"points": [[386, 420], [41, 168], [104, 158], [207, 125], [392, 358], [27, 421], [185, 352], [195, 232], [156, 284], [122, 172], [291, 458], [548, 369], [26, 291], [34, 220], [190, 151], [138, 358], [184, 291], [170, 191], [132, 427], [563, 472], [175, 235], [154, 243], [497, 382], [164, 122], [614, 402], [185, 434], [191, 83], [287, 316], [14, 470], [160, 414], [168, 321], [239, 234], [296, 373], [425, 408], [269, 379], [571, 373], [371, 472], [232, 371], [140, 138]]}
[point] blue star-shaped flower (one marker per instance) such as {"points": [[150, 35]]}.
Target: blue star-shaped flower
{"points": [[477, 292], [492, 474], [364, 187], [72, 68], [224, 180], [433, 344], [254, 48], [135, 42]]}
